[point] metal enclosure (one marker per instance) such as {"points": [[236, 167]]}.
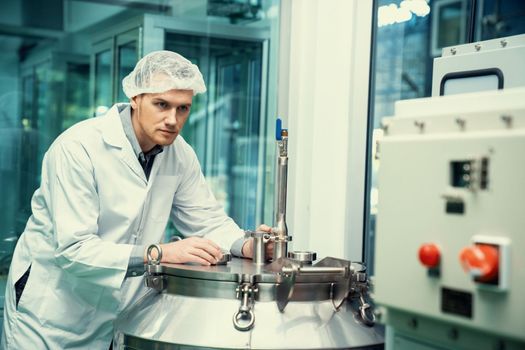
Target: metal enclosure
{"points": [[424, 200], [469, 66]]}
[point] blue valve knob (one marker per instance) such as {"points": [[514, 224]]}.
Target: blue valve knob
{"points": [[278, 129]]}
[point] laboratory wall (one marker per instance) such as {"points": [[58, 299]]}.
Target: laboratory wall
{"points": [[323, 98]]}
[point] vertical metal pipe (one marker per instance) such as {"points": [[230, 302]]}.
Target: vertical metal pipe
{"points": [[281, 230], [259, 253]]}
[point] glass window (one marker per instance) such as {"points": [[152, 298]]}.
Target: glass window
{"points": [[225, 129], [449, 24], [127, 57], [77, 98], [408, 35], [103, 93], [500, 18]]}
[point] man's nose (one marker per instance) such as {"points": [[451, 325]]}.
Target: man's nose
{"points": [[171, 119]]}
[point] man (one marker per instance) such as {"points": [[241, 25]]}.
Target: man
{"points": [[109, 186]]}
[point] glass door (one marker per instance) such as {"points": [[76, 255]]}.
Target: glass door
{"points": [[239, 85], [225, 130], [53, 98], [113, 58], [102, 63], [127, 49], [227, 124]]}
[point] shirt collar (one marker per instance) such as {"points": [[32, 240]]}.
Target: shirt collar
{"points": [[125, 117]]}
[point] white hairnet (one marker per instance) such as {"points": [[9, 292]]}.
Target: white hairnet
{"points": [[161, 71]]}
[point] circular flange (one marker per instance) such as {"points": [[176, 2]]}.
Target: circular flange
{"points": [[305, 257]]}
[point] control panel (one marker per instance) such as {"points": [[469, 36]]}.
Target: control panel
{"points": [[450, 240]]}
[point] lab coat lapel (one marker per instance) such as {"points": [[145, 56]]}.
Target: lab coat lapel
{"points": [[113, 134], [129, 158]]}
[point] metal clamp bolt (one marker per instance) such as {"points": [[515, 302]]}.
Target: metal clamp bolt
{"points": [[420, 125], [244, 318], [151, 260], [365, 311], [154, 278], [461, 123], [507, 119]]}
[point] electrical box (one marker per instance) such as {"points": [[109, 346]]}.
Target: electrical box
{"points": [[450, 242]]}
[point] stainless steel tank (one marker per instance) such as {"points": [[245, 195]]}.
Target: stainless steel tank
{"points": [[290, 303], [238, 306]]}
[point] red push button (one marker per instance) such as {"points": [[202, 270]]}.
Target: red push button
{"points": [[481, 261], [429, 255]]}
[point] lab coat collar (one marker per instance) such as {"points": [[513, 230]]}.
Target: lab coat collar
{"points": [[112, 130], [113, 134]]}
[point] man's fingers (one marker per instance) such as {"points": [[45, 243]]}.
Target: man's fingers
{"points": [[264, 228], [212, 249], [215, 245], [203, 254], [206, 244], [198, 260]]}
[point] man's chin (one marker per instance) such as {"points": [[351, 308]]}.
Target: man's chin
{"points": [[166, 141]]}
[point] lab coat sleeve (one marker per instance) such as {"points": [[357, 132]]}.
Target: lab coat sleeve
{"points": [[196, 212], [74, 209]]}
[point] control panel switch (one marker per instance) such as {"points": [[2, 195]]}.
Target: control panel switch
{"points": [[481, 261], [487, 261], [429, 255]]}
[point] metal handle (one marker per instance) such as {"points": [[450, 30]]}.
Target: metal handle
{"points": [[366, 310], [151, 260], [278, 129], [243, 315], [244, 318]]}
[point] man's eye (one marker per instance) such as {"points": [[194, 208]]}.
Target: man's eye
{"points": [[162, 105], [184, 108]]}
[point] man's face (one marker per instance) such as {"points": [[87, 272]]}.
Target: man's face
{"points": [[158, 118]]}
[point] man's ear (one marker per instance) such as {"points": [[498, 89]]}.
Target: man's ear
{"points": [[134, 101]]}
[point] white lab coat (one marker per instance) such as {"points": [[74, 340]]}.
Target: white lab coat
{"points": [[94, 203]]}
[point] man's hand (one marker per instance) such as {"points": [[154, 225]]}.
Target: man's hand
{"points": [[247, 248], [194, 249]]}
